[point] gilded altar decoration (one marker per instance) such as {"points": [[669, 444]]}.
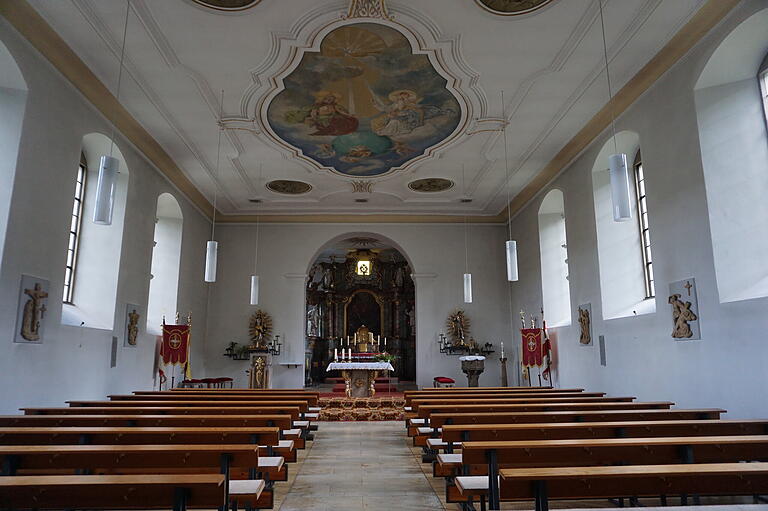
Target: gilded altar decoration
{"points": [[34, 293], [365, 103], [685, 309], [458, 327], [511, 7], [682, 315], [132, 325], [260, 330], [259, 373], [585, 324]]}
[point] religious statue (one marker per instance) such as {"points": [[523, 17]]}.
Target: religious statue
{"points": [[328, 278], [458, 327], [133, 327], [682, 314], [34, 312], [313, 321], [260, 329], [399, 276], [584, 323]]}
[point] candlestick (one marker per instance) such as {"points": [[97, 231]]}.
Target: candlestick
{"points": [[336, 354], [502, 350]]}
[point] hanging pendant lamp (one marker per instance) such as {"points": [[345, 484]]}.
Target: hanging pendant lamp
{"points": [[109, 167], [255, 276], [617, 163], [467, 275], [212, 246], [510, 247]]}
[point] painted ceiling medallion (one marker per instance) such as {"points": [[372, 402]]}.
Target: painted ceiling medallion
{"points": [[431, 185], [512, 7], [228, 5], [364, 103], [287, 187]]}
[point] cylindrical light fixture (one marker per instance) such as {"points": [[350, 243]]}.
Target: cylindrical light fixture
{"points": [[254, 289], [512, 261], [211, 260], [619, 173], [105, 190], [467, 288]]}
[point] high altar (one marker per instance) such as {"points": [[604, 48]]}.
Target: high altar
{"points": [[360, 369]]}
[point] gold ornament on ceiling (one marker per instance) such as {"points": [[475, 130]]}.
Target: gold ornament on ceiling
{"points": [[368, 9], [287, 187], [431, 185], [457, 326], [511, 7], [227, 5], [260, 329]]}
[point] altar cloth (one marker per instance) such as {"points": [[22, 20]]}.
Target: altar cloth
{"points": [[351, 366]]}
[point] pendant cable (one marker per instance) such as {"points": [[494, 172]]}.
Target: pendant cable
{"points": [[216, 175], [120, 71], [608, 78]]}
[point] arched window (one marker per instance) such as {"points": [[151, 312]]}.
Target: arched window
{"points": [[733, 138], [13, 100], [762, 78], [93, 285], [645, 230], [166, 256], [74, 229], [553, 246], [624, 281]]}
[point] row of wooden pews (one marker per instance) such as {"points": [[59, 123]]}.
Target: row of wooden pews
{"points": [[540, 443], [183, 449]]}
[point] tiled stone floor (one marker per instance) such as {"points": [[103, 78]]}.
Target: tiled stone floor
{"points": [[353, 466]]}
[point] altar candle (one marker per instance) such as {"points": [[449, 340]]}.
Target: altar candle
{"points": [[385, 342], [335, 354], [502, 350]]}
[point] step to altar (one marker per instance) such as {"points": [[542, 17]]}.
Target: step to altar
{"points": [[379, 387]]}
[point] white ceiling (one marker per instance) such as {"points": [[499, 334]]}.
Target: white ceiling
{"points": [[179, 55]]}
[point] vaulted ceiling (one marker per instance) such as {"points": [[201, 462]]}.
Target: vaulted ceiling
{"points": [[181, 55]]}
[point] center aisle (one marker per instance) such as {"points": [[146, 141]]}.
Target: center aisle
{"points": [[355, 466]]}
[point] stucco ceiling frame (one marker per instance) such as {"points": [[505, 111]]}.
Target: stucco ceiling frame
{"points": [[306, 35]]}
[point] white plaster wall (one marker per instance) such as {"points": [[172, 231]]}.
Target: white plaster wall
{"points": [[727, 367], [554, 277], [734, 151], [12, 102], [73, 362], [286, 251]]}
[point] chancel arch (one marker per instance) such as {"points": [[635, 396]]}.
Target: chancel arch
{"points": [[731, 114], [166, 256], [99, 247], [345, 297], [13, 99], [619, 244]]}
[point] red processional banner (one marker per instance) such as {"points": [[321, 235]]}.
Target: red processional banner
{"points": [[175, 346], [532, 352]]}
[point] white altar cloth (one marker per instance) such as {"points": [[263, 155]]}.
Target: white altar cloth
{"points": [[469, 358], [351, 366]]}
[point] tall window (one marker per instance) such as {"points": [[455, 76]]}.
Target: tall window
{"points": [[645, 235], [74, 230]]}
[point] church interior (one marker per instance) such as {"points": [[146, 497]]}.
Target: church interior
{"points": [[459, 255]]}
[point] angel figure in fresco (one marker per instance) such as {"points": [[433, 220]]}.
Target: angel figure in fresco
{"points": [[328, 117], [402, 114]]}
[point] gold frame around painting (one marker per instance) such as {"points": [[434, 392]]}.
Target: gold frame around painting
{"points": [[485, 7], [376, 297]]}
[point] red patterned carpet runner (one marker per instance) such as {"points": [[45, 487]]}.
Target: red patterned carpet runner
{"points": [[385, 408]]}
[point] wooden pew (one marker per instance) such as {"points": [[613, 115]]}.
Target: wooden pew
{"points": [[311, 400], [501, 389], [417, 403], [426, 410], [177, 492], [279, 421], [167, 410], [301, 405], [419, 431], [542, 484], [269, 437], [607, 451], [515, 395], [447, 465]]}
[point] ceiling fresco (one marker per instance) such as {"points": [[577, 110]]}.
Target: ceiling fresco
{"points": [[227, 5], [512, 7], [365, 103]]}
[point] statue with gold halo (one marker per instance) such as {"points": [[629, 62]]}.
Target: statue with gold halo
{"points": [[458, 327], [260, 330]]}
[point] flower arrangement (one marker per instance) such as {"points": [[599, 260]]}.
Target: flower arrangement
{"points": [[385, 357]]}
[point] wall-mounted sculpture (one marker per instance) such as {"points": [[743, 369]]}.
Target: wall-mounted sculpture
{"points": [[685, 309], [30, 320]]}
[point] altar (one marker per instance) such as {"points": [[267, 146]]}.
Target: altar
{"points": [[360, 377]]}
